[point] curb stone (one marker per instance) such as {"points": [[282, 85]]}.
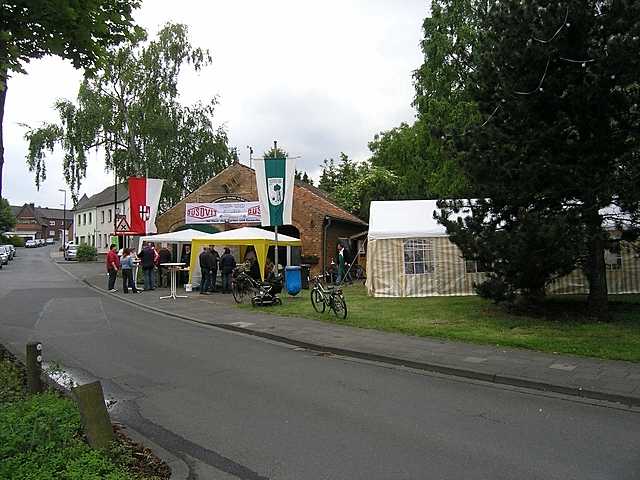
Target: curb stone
{"points": [[179, 468], [494, 378]]}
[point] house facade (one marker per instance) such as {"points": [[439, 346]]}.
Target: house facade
{"points": [[41, 222], [316, 220], [94, 216]]}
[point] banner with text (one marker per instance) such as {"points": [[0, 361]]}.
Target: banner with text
{"points": [[233, 212]]}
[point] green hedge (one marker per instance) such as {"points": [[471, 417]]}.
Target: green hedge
{"points": [[86, 253], [13, 240]]}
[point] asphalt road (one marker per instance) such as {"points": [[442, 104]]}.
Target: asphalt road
{"points": [[234, 406]]}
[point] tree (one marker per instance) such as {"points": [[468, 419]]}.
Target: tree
{"points": [[303, 177], [354, 185], [79, 30], [7, 219], [557, 87], [129, 108]]}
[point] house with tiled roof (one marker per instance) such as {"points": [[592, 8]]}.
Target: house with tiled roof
{"points": [[316, 220], [41, 222], [95, 216]]}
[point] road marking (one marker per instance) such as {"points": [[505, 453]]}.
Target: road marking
{"points": [[242, 324], [475, 359], [563, 366]]}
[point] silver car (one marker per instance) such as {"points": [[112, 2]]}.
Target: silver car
{"points": [[4, 255], [71, 252], [10, 250]]}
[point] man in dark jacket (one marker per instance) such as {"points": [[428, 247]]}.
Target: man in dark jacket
{"points": [[227, 264], [206, 261], [215, 261], [147, 262], [165, 257]]}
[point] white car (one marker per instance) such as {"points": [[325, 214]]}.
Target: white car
{"points": [[4, 255], [30, 244], [50, 241], [71, 253], [10, 250]]}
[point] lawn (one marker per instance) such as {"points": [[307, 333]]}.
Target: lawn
{"points": [[561, 326]]}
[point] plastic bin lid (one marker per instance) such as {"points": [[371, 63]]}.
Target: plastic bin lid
{"points": [[293, 267]]}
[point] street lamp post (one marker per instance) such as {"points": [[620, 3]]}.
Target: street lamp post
{"points": [[64, 218]]}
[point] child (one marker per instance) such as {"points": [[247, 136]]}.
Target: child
{"points": [[127, 272]]}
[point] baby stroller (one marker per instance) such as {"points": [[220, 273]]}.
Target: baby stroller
{"points": [[267, 293]]}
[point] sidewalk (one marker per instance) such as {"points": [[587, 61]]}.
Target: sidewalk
{"points": [[614, 381]]}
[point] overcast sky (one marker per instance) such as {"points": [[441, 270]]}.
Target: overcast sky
{"points": [[319, 77]]}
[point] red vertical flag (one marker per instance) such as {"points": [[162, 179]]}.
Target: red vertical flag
{"points": [[144, 197]]}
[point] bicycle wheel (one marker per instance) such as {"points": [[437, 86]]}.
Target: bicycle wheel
{"points": [[339, 306], [318, 300], [239, 291]]}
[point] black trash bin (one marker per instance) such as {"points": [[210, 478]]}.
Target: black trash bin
{"points": [[305, 270]]}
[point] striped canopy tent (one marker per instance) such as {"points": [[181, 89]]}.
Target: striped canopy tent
{"points": [[410, 255], [244, 237]]}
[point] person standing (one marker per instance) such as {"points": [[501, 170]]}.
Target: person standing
{"points": [[185, 258], [341, 264], [165, 257], [215, 261], [227, 264], [147, 257], [127, 272], [113, 265], [205, 260]]}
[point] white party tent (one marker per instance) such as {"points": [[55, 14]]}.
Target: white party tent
{"points": [[181, 236], [409, 253]]}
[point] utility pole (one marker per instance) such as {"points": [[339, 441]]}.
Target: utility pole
{"points": [[64, 218], [275, 153]]}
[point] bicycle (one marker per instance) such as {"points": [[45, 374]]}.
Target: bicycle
{"points": [[329, 296]]}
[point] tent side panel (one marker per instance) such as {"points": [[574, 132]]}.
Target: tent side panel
{"points": [[383, 257], [451, 270]]}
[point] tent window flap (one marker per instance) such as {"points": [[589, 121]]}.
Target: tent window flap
{"points": [[418, 257]]}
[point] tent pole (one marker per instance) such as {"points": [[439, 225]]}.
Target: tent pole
{"points": [[277, 266]]}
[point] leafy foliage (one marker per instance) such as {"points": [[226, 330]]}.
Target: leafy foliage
{"points": [[303, 177], [86, 253], [557, 85], [7, 219], [79, 30], [11, 383], [354, 185], [40, 437], [129, 107]]}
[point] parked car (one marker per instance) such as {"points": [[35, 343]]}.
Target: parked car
{"points": [[42, 242], [30, 244], [50, 241], [4, 255], [10, 250], [71, 252], [69, 243]]}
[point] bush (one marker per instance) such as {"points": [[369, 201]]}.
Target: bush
{"points": [[16, 241], [86, 253], [495, 289], [11, 383]]}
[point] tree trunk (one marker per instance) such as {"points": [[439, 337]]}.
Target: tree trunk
{"points": [[3, 96], [597, 275]]}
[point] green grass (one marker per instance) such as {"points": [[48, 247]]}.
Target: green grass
{"points": [[560, 326], [41, 438]]}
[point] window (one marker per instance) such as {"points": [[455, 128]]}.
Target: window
{"points": [[79, 223], [102, 212], [90, 218], [109, 218], [84, 218], [613, 258], [473, 266], [52, 223], [418, 257], [52, 233]]}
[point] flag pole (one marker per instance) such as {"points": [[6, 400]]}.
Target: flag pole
{"points": [[275, 153]]}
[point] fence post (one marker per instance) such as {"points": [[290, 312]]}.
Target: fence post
{"points": [[93, 411], [34, 367]]}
